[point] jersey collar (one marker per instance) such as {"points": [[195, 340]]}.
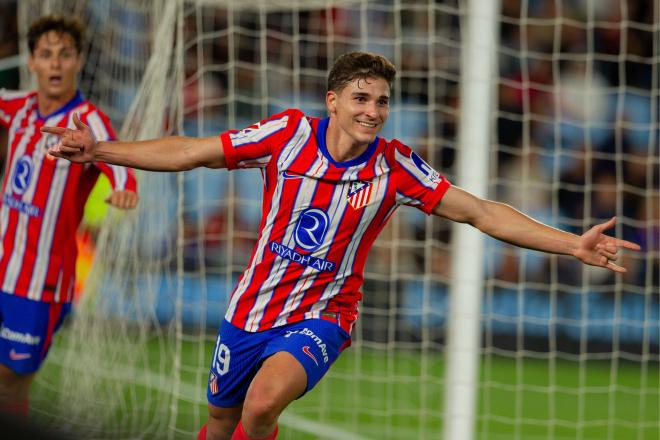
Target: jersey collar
{"points": [[75, 101], [362, 158]]}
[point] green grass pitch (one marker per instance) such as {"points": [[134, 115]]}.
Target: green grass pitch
{"points": [[377, 394]]}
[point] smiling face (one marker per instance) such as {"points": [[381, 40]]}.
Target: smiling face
{"points": [[358, 111], [56, 63]]}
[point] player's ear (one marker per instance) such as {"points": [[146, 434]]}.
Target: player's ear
{"points": [[331, 101], [30, 62]]}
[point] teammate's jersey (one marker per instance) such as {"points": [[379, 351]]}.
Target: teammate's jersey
{"points": [[43, 198], [319, 218]]}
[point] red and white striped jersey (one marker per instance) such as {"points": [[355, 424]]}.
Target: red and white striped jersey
{"points": [[319, 218], [43, 198]]}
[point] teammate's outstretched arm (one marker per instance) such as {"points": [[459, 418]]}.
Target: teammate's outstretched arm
{"points": [[505, 223], [173, 153]]}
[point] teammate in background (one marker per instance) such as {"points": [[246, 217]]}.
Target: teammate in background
{"points": [[42, 204], [330, 185]]}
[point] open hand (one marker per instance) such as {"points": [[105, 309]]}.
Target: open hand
{"points": [[74, 145], [598, 249], [125, 199]]}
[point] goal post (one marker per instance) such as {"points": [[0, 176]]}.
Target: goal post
{"points": [[477, 91]]}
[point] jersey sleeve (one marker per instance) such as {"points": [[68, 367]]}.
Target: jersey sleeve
{"points": [[418, 184], [121, 178], [10, 103], [253, 146]]}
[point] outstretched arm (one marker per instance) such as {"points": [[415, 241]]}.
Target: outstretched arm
{"points": [[510, 225], [173, 153]]}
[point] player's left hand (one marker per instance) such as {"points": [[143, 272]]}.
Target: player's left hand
{"points": [[122, 199], [598, 249]]}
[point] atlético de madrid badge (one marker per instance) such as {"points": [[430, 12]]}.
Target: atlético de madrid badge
{"points": [[359, 194]]}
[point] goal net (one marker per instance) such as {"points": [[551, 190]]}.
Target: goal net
{"points": [[567, 351]]}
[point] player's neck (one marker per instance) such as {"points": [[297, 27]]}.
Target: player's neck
{"points": [[341, 146], [49, 104]]}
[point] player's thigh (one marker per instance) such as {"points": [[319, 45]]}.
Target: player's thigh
{"points": [[314, 343], [280, 380], [27, 330], [236, 360]]}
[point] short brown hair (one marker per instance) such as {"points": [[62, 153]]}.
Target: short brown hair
{"points": [[62, 25], [359, 65]]}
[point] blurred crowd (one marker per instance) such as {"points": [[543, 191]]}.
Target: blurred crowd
{"points": [[576, 139]]}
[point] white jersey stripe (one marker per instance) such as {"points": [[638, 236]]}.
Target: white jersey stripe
{"points": [[251, 135], [121, 177], [48, 224], [5, 117], [405, 200], [58, 289], [98, 127], [259, 162], [18, 120], [293, 148], [20, 234], [303, 199], [258, 255]]}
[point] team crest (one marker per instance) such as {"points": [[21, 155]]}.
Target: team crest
{"points": [[213, 384], [359, 194]]}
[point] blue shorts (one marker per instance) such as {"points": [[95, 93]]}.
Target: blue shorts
{"points": [[26, 331], [238, 355]]}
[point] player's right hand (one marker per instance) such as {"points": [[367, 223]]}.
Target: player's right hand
{"points": [[75, 145]]}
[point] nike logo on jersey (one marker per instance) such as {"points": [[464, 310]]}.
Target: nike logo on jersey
{"points": [[18, 356], [306, 350], [287, 175]]}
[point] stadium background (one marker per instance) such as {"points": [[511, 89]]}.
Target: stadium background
{"points": [[575, 141]]}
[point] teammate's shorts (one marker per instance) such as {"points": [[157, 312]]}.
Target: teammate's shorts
{"points": [[26, 331], [238, 355]]}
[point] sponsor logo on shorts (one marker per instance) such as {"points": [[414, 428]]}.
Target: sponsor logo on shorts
{"points": [[318, 341], [309, 353], [23, 338], [18, 356]]}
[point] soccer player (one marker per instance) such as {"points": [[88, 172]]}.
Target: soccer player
{"points": [[330, 185], [42, 204]]}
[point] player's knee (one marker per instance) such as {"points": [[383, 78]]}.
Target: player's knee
{"points": [[222, 422], [261, 407], [13, 386]]}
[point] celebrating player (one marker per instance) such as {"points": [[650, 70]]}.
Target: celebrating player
{"points": [[42, 205], [330, 186]]}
